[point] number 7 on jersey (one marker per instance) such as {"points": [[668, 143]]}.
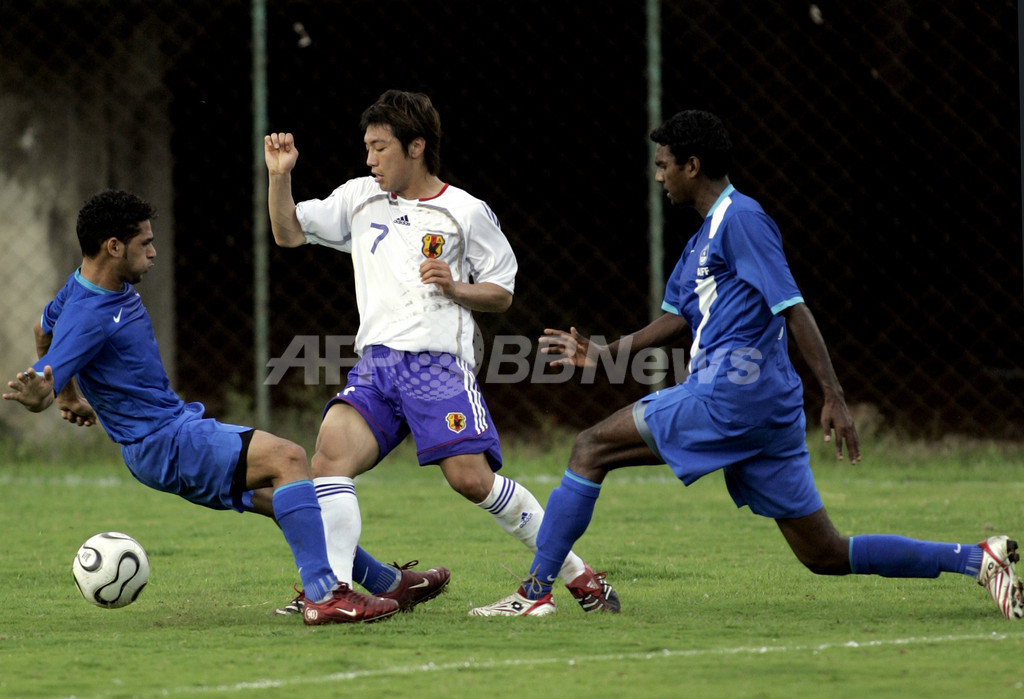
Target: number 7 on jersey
{"points": [[384, 231]]}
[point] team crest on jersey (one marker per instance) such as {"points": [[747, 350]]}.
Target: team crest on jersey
{"points": [[703, 258], [432, 245], [456, 422]]}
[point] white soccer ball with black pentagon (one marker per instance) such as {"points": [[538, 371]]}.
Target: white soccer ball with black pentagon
{"points": [[110, 569]]}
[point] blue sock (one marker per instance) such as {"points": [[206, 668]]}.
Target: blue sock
{"points": [[298, 514], [899, 557], [567, 515], [374, 576]]}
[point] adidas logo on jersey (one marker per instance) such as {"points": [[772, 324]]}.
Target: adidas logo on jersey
{"points": [[402, 220]]}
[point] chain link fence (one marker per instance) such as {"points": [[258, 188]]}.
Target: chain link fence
{"points": [[882, 137]]}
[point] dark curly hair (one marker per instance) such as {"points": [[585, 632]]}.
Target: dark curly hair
{"points": [[700, 134], [111, 214], [410, 115]]}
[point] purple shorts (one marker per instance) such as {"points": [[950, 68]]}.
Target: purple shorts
{"points": [[433, 395]]}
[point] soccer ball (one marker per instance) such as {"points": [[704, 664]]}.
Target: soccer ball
{"points": [[110, 570]]}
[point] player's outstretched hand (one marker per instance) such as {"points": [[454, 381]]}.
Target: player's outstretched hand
{"points": [[280, 152], [835, 416], [77, 411], [575, 350], [31, 389]]}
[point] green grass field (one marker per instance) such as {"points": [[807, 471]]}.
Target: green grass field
{"points": [[713, 602]]}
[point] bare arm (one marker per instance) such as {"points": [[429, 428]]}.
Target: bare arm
{"points": [[834, 413], [43, 340], [579, 351], [281, 156], [484, 297], [72, 404], [661, 331]]}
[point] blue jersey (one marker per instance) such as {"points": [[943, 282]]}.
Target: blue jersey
{"points": [[730, 284], [106, 339]]}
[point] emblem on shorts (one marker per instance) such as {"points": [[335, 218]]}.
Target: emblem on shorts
{"points": [[456, 422], [432, 245]]}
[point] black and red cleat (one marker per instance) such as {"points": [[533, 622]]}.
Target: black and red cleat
{"points": [[415, 587]]}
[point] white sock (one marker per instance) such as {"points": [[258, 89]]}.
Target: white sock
{"points": [[517, 512], [339, 508]]}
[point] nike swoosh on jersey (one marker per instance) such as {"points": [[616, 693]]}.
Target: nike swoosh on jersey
{"points": [[117, 318]]}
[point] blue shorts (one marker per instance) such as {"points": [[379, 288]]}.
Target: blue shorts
{"points": [[766, 468], [198, 458], [432, 395]]}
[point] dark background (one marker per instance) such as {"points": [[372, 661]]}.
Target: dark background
{"points": [[882, 137]]}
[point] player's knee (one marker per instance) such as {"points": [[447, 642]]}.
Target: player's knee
{"points": [[470, 481], [320, 465], [473, 489], [327, 464], [292, 463], [587, 456]]}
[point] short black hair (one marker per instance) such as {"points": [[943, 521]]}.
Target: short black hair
{"points": [[700, 134], [410, 115], [111, 214]]}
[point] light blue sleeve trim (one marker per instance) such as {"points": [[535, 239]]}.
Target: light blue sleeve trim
{"points": [[666, 306], [783, 305], [581, 480]]}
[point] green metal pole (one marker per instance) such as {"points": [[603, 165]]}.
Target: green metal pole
{"points": [[260, 262], [655, 211]]}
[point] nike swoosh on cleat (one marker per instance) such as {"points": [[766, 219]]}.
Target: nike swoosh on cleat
{"points": [[421, 583], [347, 612]]}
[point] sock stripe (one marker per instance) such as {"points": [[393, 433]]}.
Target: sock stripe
{"points": [[580, 480], [293, 484], [508, 489], [329, 489]]}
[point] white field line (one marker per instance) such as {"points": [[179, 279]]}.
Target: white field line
{"points": [[470, 664]]}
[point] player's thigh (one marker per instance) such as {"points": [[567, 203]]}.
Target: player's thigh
{"points": [[345, 446], [613, 443], [470, 475]]}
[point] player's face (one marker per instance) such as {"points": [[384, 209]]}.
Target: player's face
{"points": [[139, 255], [387, 160], [673, 178]]}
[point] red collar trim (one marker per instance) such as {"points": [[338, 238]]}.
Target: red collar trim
{"points": [[394, 196]]}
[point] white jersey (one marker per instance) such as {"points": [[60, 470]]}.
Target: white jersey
{"points": [[389, 238]]}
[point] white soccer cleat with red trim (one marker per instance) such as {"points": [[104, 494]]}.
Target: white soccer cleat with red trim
{"points": [[998, 575], [517, 604]]}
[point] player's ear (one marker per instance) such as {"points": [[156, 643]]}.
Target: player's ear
{"points": [[416, 148], [113, 246]]}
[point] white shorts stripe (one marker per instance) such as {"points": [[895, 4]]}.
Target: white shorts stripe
{"points": [[476, 399]]}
